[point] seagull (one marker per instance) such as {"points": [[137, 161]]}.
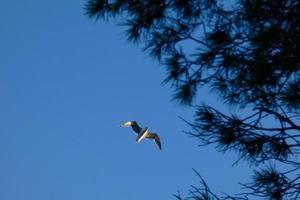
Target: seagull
{"points": [[142, 133]]}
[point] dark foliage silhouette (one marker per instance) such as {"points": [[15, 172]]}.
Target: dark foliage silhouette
{"points": [[248, 53]]}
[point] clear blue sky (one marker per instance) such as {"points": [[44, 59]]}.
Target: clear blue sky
{"points": [[66, 84]]}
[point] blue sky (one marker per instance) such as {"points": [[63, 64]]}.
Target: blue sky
{"points": [[66, 85]]}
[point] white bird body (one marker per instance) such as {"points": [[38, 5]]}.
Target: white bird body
{"points": [[142, 133]]}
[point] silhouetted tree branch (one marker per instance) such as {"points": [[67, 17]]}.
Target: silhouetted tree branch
{"points": [[248, 54]]}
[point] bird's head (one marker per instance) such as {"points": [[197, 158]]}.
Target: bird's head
{"points": [[127, 124]]}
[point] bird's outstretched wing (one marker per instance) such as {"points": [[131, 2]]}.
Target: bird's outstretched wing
{"points": [[134, 125], [136, 128], [157, 141], [154, 137]]}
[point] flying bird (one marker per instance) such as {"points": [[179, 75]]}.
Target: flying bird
{"points": [[142, 133]]}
